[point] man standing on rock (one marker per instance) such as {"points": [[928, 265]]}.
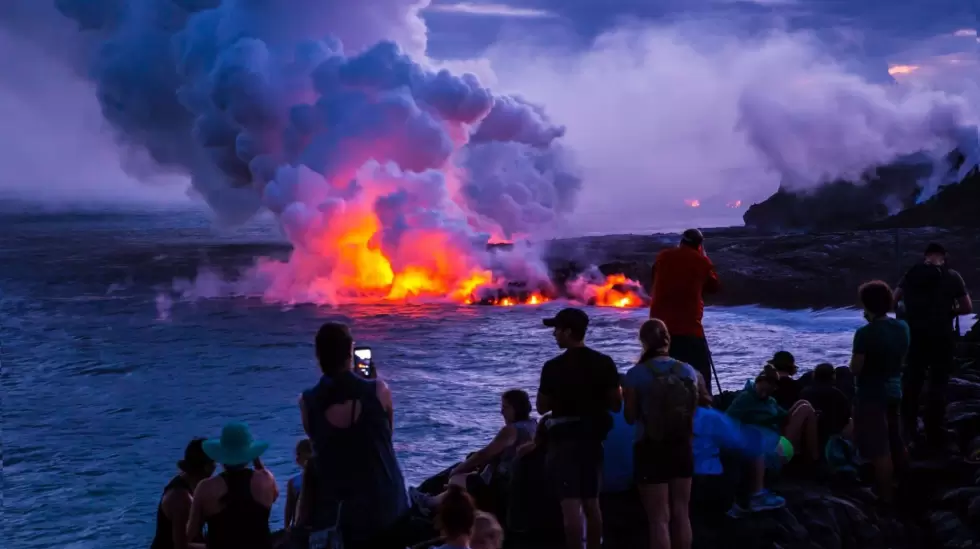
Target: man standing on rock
{"points": [[933, 295], [681, 276]]}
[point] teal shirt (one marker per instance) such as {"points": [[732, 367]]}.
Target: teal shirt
{"points": [[883, 342], [749, 409]]}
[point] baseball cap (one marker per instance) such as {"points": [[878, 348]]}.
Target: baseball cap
{"points": [[783, 361], [935, 248], [568, 318]]}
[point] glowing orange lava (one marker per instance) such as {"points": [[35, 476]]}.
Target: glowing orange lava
{"points": [[694, 203], [423, 263], [618, 291]]}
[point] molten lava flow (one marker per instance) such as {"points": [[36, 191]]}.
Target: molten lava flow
{"points": [[420, 263], [618, 291], [694, 203]]}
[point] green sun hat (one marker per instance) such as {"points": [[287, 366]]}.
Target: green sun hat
{"points": [[235, 447]]}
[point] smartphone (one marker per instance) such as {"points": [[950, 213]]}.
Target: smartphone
{"points": [[363, 363]]}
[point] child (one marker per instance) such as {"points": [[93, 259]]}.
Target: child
{"points": [[304, 451], [487, 533]]}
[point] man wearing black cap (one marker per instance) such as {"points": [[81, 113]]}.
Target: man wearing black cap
{"points": [[579, 387], [681, 276], [932, 295]]}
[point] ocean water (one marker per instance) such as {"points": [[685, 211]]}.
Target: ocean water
{"points": [[102, 386]]}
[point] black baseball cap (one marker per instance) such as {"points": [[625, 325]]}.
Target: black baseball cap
{"points": [[935, 248], [568, 318]]}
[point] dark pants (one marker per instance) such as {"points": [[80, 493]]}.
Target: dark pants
{"points": [[930, 355], [694, 351]]}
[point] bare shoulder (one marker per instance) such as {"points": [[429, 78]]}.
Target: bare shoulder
{"points": [[382, 389]]}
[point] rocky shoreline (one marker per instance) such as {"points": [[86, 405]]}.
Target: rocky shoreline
{"points": [[937, 506], [788, 271]]}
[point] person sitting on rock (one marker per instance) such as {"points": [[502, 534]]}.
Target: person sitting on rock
{"points": [[788, 389], [680, 277], [880, 347], [490, 466], [487, 532], [714, 432], [831, 404], [754, 405], [235, 505], [175, 505], [661, 396], [456, 518]]}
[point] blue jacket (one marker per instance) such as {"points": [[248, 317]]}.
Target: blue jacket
{"points": [[714, 431]]}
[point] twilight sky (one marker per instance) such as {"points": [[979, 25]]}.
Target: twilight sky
{"points": [[664, 101]]}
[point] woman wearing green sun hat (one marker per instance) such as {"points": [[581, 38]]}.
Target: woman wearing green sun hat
{"points": [[235, 505]]}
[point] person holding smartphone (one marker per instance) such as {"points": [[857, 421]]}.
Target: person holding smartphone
{"points": [[357, 486], [681, 276]]}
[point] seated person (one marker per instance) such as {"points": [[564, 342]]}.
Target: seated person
{"points": [[831, 404], [487, 533], [491, 464], [304, 450], [456, 518], [714, 432], [787, 391], [755, 405]]}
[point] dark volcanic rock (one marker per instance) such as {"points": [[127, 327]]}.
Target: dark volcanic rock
{"points": [[840, 204], [885, 198], [954, 206], [788, 271], [938, 505]]}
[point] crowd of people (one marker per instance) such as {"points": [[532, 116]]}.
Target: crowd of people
{"points": [[655, 430]]}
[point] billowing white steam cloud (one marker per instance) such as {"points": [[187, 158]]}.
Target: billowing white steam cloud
{"points": [[660, 115]]}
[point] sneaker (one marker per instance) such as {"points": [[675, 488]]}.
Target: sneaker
{"points": [[766, 501], [420, 501], [737, 511]]}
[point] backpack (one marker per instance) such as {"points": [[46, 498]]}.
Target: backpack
{"points": [[670, 404], [927, 298]]}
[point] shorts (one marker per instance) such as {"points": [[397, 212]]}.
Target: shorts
{"points": [[662, 462], [574, 466], [871, 432]]}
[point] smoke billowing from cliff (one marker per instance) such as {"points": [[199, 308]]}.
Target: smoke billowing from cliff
{"points": [[661, 116]]}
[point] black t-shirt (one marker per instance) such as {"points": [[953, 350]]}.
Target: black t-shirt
{"points": [[787, 392], [832, 406], [929, 293], [578, 383]]}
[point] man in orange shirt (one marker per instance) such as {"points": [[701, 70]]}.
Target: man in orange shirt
{"points": [[680, 277]]}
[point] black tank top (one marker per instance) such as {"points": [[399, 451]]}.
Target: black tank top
{"points": [[164, 537], [242, 523]]}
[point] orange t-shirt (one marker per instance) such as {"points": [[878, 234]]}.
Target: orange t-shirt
{"points": [[680, 276]]}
